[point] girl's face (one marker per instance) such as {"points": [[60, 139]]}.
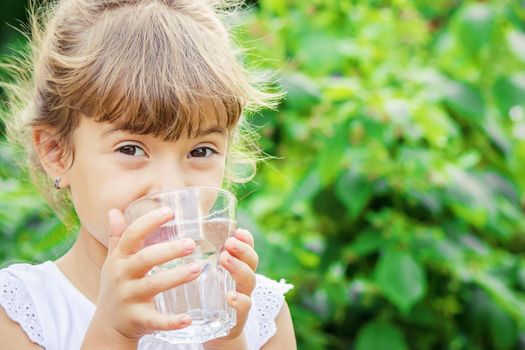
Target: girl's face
{"points": [[112, 168]]}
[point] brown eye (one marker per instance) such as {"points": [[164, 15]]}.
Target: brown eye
{"points": [[202, 152], [132, 150]]}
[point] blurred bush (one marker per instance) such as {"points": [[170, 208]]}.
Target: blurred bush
{"points": [[395, 202]]}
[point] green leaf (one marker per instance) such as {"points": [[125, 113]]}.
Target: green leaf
{"points": [[520, 277], [465, 100], [341, 89], [509, 92], [435, 124], [439, 250], [487, 317], [320, 53], [276, 6], [400, 278], [516, 42], [365, 243], [502, 329], [276, 257], [307, 188], [332, 154], [302, 93], [508, 300], [475, 27], [354, 190], [380, 335], [469, 197]]}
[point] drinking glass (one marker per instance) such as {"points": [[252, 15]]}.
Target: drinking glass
{"points": [[206, 215]]}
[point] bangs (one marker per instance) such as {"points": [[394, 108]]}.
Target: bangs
{"points": [[157, 72], [169, 119]]}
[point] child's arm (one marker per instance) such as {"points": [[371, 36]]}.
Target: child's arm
{"points": [[124, 311], [284, 337], [12, 336]]}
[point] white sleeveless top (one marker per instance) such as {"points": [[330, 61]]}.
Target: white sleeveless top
{"points": [[55, 315]]}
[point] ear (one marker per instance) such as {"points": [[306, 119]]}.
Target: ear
{"points": [[51, 153]]}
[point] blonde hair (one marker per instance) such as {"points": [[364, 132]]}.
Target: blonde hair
{"points": [[148, 66]]}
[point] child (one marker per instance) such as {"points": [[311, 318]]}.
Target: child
{"points": [[127, 98]]}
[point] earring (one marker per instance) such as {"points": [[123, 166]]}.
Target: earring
{"points": [[57, 182]]}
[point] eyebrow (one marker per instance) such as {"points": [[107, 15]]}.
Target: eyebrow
{"points": [[212, 130], [200, 133]]}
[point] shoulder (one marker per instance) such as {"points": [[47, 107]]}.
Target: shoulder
{"points": [[46, 306], [13, 336], [18, 313], [267, 304], [268, 299], [27, 272], [264, 283]]}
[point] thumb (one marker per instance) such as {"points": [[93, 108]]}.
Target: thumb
{"points": [[117, 225]]}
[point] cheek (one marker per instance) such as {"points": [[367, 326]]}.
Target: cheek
{"points": [[212, 177], [96, 197], [203, 181]]}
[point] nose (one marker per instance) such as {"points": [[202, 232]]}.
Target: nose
{"points": [[167, 176]]}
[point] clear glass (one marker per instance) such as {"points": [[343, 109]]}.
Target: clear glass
{"points": [[207, 215]]}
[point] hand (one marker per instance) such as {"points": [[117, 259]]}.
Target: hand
{"points": [[240, 259], [125, 300]]}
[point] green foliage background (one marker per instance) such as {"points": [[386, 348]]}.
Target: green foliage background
{"points": [[395, 203]]}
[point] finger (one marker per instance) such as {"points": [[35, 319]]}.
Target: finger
{"points": [[145, 259], [241, 303], [245, 236], [157, 282], [241, 273], [117, 226], [242, 251], [133, 238], [153, 320]]}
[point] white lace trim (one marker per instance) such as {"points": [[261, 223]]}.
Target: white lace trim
{"points": [[18, 305], [268, 300]]}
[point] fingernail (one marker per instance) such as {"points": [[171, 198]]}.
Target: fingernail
{"points": [[234, 296], [234, 245], [185, 320], [165, 211], [195, 267], [188, 244], [230, 260]]}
